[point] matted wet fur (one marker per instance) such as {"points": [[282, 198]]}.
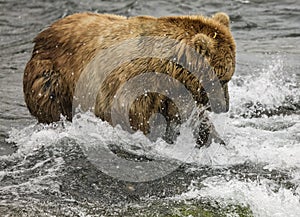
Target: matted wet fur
{"points": [[64, 49]]}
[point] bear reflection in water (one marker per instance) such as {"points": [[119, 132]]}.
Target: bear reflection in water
{"points": [[63, 51]]}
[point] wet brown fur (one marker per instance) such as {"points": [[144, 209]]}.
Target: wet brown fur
{"points": [[63, 50]]}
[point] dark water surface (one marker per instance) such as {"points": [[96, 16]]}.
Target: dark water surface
{"points": [[44, 171]]}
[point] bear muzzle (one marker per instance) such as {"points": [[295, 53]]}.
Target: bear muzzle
{"points": [[219, 99], [219, 106]]}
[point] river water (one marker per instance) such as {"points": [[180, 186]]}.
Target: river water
{"points": [[43, 171]]}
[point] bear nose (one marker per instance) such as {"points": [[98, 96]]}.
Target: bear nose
{"points": [[217, 96], [219, 100], [219, 106]]}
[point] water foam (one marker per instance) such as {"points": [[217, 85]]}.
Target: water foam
{"points": [[271, 86], [271, 141], [263, 201]]}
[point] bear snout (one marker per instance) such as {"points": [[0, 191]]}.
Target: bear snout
{"points": [[219, 100], [219, 106]]}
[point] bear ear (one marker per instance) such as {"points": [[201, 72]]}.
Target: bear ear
{"points": [[222, 18], [203, 44]]}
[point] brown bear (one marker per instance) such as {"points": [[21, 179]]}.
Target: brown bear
{"points": [[63, 51]]}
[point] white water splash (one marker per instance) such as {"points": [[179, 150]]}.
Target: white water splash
{"points": [[271, 141], [263, 201], [251, 140], [270, 86]]}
